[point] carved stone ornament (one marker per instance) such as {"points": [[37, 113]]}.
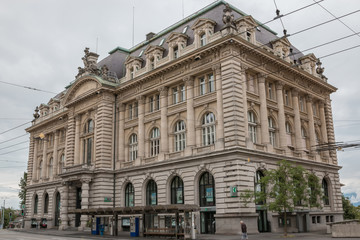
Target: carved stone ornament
{"points": [[319, 69], [228, 18], [90, 67], [36, 114]]}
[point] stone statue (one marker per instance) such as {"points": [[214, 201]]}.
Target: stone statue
{"points": [[36, 114], [319, 69]]}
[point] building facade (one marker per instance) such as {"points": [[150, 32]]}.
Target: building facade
{"points": [[204, 107]]}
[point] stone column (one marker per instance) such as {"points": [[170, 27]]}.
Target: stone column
{"points": [[44, 159], [35, 163], [64, 201], [281, 114], [249, 144], [55, 153], [297, 121], [323, 128], [84, 201], [164, 139], [311, 124], [141, 128], [121, 136], [263, 112], [77, 140], [190, 115], [219, 105]]}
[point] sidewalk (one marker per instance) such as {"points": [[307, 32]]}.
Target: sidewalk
{"points": [[126, 235]]}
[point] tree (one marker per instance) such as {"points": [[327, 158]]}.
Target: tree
{"points": [[7, 217], [350, 211], [22, 192], [288, 187]]}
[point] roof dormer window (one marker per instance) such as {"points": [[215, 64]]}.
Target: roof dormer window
{"points": [[176, 52], [202, 39]]}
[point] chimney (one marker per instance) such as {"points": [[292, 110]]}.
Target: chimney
{"points": [[149, 36]]}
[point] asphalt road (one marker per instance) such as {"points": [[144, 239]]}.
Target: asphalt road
{"points": [[74, 235]]}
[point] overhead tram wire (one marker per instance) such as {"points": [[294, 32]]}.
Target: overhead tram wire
{"points": [[14, 128], [357, 33], [14, 145], [31, 88], [14, 138], [14, 151], [278, 16]]}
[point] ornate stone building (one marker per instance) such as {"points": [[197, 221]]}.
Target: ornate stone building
{"points": [[175, 119]]}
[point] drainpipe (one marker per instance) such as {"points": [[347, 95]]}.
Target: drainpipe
{"points": [[115, 217]]}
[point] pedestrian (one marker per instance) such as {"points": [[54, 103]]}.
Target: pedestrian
{"points": [[243, 230]]}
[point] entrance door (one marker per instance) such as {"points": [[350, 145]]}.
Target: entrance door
{"points": [[208, 225], [57, 209], [262, 221], [78, 206]]}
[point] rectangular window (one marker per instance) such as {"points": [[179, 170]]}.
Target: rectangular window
{"points": [[286, 98], [151, 102], [211, 84], [270, 93], [175, 95], [202, 86], [248, 36], [176, 52], [89, 151], [182, 93], [203, 40], [136, 110], [157, 104], [130, 111], [314, 109], [301, 104], [318, 218], [313, 220]]}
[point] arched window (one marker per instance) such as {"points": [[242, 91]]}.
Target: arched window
{"points": [[46, 203], [88, 142], [40, 169], [51, 165], [202, 39], [151, 193], [259, 187], [179, 136], [129, 195], [207, 190], [326, 192], [57, 209], [252, 126], [36, 203], [154, 142], [208, 129], [133, 147], [272, 136], [177, 191]]}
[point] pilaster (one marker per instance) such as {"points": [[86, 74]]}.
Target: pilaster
{"points": [[323, 129], [55, 154], [297, 121], [219, 105], [309, 102], [44, 159], [141, 128], [121, 136], [35, 163], [77, 140], [281, 114], [64, 206], [330, 128], [190, 115], [263, 111], [164, 139]]}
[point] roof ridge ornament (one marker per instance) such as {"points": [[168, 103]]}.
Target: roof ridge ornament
{"points": [[228, 18]]}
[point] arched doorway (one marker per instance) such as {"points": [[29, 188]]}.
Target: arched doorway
{"points": [[57, 209], [207, 203]]}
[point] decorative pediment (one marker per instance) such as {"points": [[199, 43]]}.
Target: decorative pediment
{"points": [[308, 57], [281, 42], [203, 23], [133, 61], [247, 21], [177, 37], [81, 88], [151, 49]]}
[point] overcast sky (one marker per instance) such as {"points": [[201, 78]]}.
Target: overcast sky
{"points": [[42, 42]]}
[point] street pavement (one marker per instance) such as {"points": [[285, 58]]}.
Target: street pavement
{"points": [[50, 234]]}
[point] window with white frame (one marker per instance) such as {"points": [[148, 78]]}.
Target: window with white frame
{"points": [[87, 139], [175, 94], [206, 84], [248, 36], [286, 97], [272, 130], [270, 90], [180, 139], [130, 111], [202, 39], [252, 126], [315, 112], [182, 93], [132, 72], [154, 103], [208, 129], [133, 147], [154, 142]]}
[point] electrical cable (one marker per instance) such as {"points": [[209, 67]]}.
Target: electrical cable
{"points": [[14, 138], [14, 151], [15, 127], [15, 145], [31, 88], [318, 3]]}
